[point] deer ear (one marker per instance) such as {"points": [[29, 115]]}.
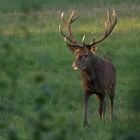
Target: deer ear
{"points": [[93, 50], [72, 48]]}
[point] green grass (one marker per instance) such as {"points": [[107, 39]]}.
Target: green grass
{"points": [[37, 79]]}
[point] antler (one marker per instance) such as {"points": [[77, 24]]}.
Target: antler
{"points": [[109, 27], [70, 37]]}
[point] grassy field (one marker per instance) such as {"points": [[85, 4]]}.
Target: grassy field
{"points": [[41, 96]]}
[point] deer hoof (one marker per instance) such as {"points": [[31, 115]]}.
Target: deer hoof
{"points": [[85, 124]]}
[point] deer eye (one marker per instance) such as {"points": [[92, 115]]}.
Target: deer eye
{"points": [[86, 55]]}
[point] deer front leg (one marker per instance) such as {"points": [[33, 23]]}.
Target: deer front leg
{"points": [[86, 99]]}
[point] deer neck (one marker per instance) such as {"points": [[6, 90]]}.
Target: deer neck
{"points": [[88, 74]]}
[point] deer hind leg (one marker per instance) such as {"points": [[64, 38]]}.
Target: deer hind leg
{"points": [[111, 102], [102, 105], [102, 108], [111, 107]]}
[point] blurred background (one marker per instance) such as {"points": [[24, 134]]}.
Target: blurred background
{"points": [[41, 96]]}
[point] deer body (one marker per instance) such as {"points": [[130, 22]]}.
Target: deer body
{"points": [[98, 75], [99, 79]]}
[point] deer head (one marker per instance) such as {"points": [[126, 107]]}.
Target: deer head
{"points": [[83, 50]]}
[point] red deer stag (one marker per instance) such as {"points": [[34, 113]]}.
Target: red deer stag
{"points": [[99, 76]]}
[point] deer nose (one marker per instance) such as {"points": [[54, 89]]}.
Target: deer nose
{"points": [[75, 65]]}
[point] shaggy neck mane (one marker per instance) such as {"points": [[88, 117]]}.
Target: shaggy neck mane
{"points": [[88, 74]]}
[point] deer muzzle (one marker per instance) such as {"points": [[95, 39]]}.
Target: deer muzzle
{"points": [[75, 65]]}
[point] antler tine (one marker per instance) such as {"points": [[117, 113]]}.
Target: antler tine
{"points": [[60, 30], [71, 17], [83, 40], [87, 45], [65, 24], [110, 21], [114, 13], [62, 15], [75, 18], [68, 43], [114, 16], [65, 36], [93, 41], [70, 21], [108, 16], [62, 18]]}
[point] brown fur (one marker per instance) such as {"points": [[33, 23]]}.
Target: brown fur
{"points": [[99, 77]]}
